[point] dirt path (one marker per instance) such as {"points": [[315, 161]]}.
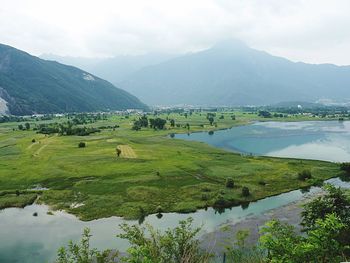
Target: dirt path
{"points": [[40, 149], [31, 145]]}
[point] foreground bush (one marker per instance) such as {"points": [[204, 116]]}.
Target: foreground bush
{"points": [[320, 244], [147, 245], [326, 223], [173, 246], [82, 253]]}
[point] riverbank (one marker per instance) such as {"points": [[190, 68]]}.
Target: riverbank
{"points": [[225, 234]]}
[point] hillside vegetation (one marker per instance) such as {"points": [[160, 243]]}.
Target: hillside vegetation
{"points": [[32, 85]]}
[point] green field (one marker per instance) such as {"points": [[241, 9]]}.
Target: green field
{"points": [[154, 170]]}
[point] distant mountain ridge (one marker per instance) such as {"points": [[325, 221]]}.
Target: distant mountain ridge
{"points": [[30, 85], [114, 69], [231, 73]]}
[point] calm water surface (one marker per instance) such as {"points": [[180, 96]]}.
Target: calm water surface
{"points": [[25, 238], [320, 140]]}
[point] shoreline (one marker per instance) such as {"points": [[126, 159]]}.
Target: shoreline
{"points": [[225, 234]]}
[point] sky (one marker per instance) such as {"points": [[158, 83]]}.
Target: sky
{"points": [[313, 31]]}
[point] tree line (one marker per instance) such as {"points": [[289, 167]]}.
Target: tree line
{"points": [[144, 122]]}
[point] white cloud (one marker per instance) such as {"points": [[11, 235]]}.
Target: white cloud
{"points": [[307, 30]]}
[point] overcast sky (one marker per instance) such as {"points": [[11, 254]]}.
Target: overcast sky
{"points": [[315, 31]]}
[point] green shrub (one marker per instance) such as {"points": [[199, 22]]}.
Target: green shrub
{"points": [[159, 210], [206, 189], [229, 183], [219, 201], [345, 167], [82, 145], [262, 182], [149, 245], [245, 191], [82, 253], [205, 197], [304, 175]]}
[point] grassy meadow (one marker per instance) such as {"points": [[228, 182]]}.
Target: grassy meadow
{"points": [[153, 173]]}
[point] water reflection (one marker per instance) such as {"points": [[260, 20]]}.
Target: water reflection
{"points": [[319, 140], [245, 205]]}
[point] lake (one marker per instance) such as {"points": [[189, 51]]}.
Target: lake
{"points": [[319, 140], [25, 238]]}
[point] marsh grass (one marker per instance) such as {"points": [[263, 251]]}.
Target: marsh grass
{"points": [[166, 172]]}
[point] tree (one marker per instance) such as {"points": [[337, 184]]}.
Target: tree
{"points": [[229, 183], [345, 167], [264, 114], [277, 239], [20, 127], [323, 241], [211, 120], [157, 123], [159, 209], [320, 245], [245, 191], [326, 222], [136, 126], [172, 123], [119, 151], [143, 121], [171, 246], [27, 125], [210, 117], [334, 201], [81, 144]]}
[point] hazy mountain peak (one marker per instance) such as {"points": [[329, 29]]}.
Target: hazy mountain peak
{"points": [[231, 73], [230, 44]]}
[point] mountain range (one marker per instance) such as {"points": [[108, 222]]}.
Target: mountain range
{"points": [[231, 73], [31, 85], [228, 74]]}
